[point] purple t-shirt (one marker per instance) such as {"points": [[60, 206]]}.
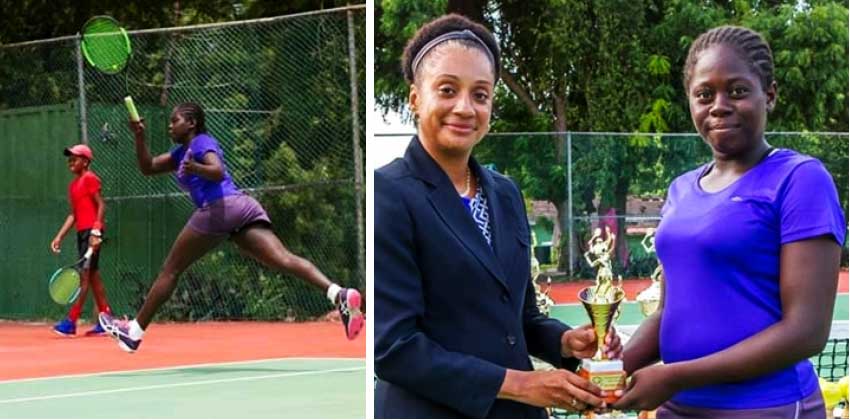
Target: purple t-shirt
{"points": [[720, 253], [203, 191]]}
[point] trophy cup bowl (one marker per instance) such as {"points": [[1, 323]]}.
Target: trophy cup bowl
{"points": [[605, 373], [601, 314], [649, 299]]}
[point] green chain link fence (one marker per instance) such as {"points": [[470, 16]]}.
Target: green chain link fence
{"points": [[285, 98]]}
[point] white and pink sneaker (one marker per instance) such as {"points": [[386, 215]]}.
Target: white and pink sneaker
{"points": [[348, 303]]}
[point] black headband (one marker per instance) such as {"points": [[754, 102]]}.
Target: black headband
{"points": [[448, 36]]}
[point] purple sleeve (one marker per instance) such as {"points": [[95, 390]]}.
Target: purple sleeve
{"points": [[203, 144], [809, 205]]}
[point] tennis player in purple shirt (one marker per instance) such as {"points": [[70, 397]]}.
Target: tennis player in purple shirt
{"points": [[750, 244], [223, 212]]}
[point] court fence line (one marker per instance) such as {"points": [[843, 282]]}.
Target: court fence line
{"points": [[572, 180]]}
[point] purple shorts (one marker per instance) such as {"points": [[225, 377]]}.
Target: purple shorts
{"points": [[228, 215], [811, 407]]}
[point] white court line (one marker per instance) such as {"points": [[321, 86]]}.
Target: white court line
{"points": [[181, 384], [238, 362]]}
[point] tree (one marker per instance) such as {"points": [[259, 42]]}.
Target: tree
{"points": [[615, 66], [24, 20]]}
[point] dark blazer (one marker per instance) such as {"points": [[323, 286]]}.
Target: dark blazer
{"points": [[452, 313]]}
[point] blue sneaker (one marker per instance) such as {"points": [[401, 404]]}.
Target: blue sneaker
{"points": [[120, 331], [65, 328], [97, 331]]}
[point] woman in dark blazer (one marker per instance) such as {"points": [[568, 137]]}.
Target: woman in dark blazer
{"points": [[455, 314]]}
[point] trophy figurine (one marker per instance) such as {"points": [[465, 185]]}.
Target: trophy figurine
{"points": [[544, 302], [602, 303], [650, 297]]}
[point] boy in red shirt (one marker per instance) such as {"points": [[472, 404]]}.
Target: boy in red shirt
{"points": [[87, 210]]}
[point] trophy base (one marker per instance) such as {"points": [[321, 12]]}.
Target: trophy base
{"points": [[606, 374]]}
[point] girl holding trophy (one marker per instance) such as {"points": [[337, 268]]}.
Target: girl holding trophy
{"points": [[750, 245]]}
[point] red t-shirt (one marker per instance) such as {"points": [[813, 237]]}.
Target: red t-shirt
{"points": [[81, 192]]}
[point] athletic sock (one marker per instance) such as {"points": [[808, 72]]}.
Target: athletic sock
{"points": [[333, 291], [136, 332]]}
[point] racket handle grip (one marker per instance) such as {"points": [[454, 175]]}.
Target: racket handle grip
{"points": [[88, 253], [131, 108]]}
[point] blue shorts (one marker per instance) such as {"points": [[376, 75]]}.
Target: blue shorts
{"points": [[228, 215]]}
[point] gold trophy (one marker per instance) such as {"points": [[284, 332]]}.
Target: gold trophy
{"points": [[544, 302], [602, 303], [650, 297]]}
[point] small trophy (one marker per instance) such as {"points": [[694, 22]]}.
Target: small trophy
{"points": [[650, 297], [602, 303], [544, 301]]}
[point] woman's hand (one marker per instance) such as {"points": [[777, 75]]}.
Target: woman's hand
{"points": [[648, 388], [551, 388], [581, 343]]}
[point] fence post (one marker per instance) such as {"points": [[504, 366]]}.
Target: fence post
{"points": [[81, 85], [355, 139], [570, 230]]}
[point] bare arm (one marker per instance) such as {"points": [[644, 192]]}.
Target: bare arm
{"points": [[95, 241], [209, 167], [149, 165], [642, 348], [56, 243], [101, 210]]}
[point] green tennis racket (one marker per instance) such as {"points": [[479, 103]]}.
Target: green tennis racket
{"points": [[107, 47], [64, 284], [105, 44]]}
